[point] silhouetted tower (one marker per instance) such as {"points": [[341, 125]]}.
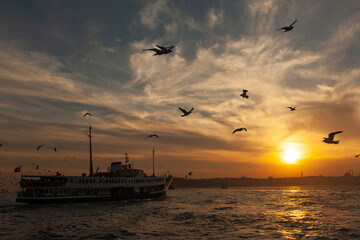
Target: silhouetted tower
{"points": [[91, 163]]}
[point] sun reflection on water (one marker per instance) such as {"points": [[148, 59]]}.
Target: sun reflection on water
{"points": [[296, 218]]}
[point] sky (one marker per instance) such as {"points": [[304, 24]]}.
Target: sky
{"points": [[61, 59]]}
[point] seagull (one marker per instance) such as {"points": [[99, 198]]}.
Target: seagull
{"points": [[38, 147], [55, 149], [152, 135], [186, 112], [160, 50], [292, 108], [330, 139], [286, 29], [244, 95], [356, 155], [239, 129], [87, 114]]}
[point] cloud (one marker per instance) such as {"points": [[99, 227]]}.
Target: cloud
{"points": [[214, 17], [108, 49], [150, 12], [219, 51]]}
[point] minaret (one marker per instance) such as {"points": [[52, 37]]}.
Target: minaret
{"points": [[91, 163]]}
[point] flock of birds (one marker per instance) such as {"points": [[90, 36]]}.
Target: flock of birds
{"points": [[160, 50]]}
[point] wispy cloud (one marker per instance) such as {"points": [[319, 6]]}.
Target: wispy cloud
{"points": [[149, 14], [215, 17]]}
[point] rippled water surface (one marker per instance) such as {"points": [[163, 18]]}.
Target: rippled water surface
{"points": [[235, 213]]}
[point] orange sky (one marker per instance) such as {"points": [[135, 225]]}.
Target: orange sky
{"points": [[53, 70]]}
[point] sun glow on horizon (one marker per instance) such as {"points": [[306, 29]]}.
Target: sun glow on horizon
{"points": [[291, 154]]}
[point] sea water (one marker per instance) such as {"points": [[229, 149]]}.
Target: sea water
{"points": [[319, 212]]}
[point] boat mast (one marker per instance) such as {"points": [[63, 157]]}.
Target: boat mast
{"points": [[91, 163], [153, 162]]}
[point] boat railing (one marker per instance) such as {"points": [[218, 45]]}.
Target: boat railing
{"points": [[40, 183]]}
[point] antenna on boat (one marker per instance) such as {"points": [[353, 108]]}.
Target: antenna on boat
{"points": [[91, 163], [153, 162]]}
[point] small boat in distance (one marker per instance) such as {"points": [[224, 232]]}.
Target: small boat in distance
{"points": [[121, 182]]}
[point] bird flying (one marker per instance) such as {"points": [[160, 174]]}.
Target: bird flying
{"points": [[292, 108], [239, 130], [186, 112], [38, 147], [244, 95], [160, 50], [289, 28], [87, 114], [190, 173], [152, 135], [330, 139], [356, 155]]}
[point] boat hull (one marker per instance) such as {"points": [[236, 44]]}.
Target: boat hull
{"points": [[113, 194], [84, 199]]}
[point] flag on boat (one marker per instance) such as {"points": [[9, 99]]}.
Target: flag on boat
{"points": [[18, 169]]}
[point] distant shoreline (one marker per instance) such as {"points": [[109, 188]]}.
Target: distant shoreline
{"points": [[258, 182]]}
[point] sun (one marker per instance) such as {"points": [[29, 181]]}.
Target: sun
{"points": [[291, 155]]}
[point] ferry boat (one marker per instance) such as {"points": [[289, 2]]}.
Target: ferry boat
{"points": [[121, 182]]}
